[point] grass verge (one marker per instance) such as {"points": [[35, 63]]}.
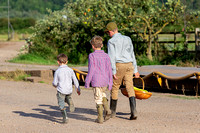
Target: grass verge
{"points": [[19, 35], [186, 97], [17, 75], [32, 59], [38, 60]]}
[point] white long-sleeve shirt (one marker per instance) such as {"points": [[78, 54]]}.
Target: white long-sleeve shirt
{"points": [[63, 78]]}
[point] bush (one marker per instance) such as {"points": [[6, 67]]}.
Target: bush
{"points": [[143, 60], [17, 23], [179, 58], [48, 52]]}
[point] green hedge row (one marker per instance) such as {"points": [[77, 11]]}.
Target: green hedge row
{"points": [[17, 23]]}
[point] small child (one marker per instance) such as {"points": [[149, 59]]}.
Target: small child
{"points": [[63, 78], [100, 77]]}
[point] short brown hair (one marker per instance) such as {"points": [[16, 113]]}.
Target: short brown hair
{"points": [[96, 41], [62, 58]]}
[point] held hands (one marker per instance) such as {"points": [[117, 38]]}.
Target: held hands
{"points": [[78, 91], [137, 75], [115, 77]]}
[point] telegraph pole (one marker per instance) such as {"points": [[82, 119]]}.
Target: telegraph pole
{"points": [[8, 20], [8, 7]]}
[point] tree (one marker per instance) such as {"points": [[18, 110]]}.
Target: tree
{"points": [[150, 20]]}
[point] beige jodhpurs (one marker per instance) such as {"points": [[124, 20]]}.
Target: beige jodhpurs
{"points": [[99, 93], [124, 73]]}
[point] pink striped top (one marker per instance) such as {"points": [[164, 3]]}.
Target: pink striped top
{"points": [[99, 70]]}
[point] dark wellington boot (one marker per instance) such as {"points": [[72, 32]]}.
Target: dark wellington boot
{"points": [[132, 102], [113, 105]]}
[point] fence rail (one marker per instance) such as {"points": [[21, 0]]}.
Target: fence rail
{"points": [[195, 40]]}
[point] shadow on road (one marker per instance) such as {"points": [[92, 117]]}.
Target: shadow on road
{"points": [[55, 116], [121, 115]]}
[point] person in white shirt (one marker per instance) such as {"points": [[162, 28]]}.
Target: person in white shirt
{"points": [[63, 78], [121, 53]]}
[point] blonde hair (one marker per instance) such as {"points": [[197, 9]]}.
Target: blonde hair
{"points": [[96, 41]]}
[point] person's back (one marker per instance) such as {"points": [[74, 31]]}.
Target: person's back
{"points": [[100, 77], [101, 65], [123, 48], [63, 78], [121, 53]]}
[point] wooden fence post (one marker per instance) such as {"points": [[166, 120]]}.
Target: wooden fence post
{"points": [[156, 45], [137, 42], [197, 41], [175, 39]]}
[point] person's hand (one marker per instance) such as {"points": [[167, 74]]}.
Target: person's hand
{"points": [[78, 92], [115, 77], [137, 75]]}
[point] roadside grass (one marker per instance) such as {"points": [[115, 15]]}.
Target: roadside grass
{"points": [[32, 59], [185, 97], [17, 75], [28, 58], [3, 37], [19, 35]]}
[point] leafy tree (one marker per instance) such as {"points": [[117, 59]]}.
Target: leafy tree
{"points": [[149, 21]]}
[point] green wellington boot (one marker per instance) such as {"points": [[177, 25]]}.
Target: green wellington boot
{"points": [[100, 113], [64, 114], [107, 111], [113, 105]]}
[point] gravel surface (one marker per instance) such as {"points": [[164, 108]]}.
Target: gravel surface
{"points": [[32, 108]]}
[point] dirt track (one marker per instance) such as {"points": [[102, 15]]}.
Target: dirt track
{"points": [[8, 50], [32, 108]]}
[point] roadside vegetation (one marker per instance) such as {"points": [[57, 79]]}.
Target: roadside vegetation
{"points": [[39, 60], [185, 97]]}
